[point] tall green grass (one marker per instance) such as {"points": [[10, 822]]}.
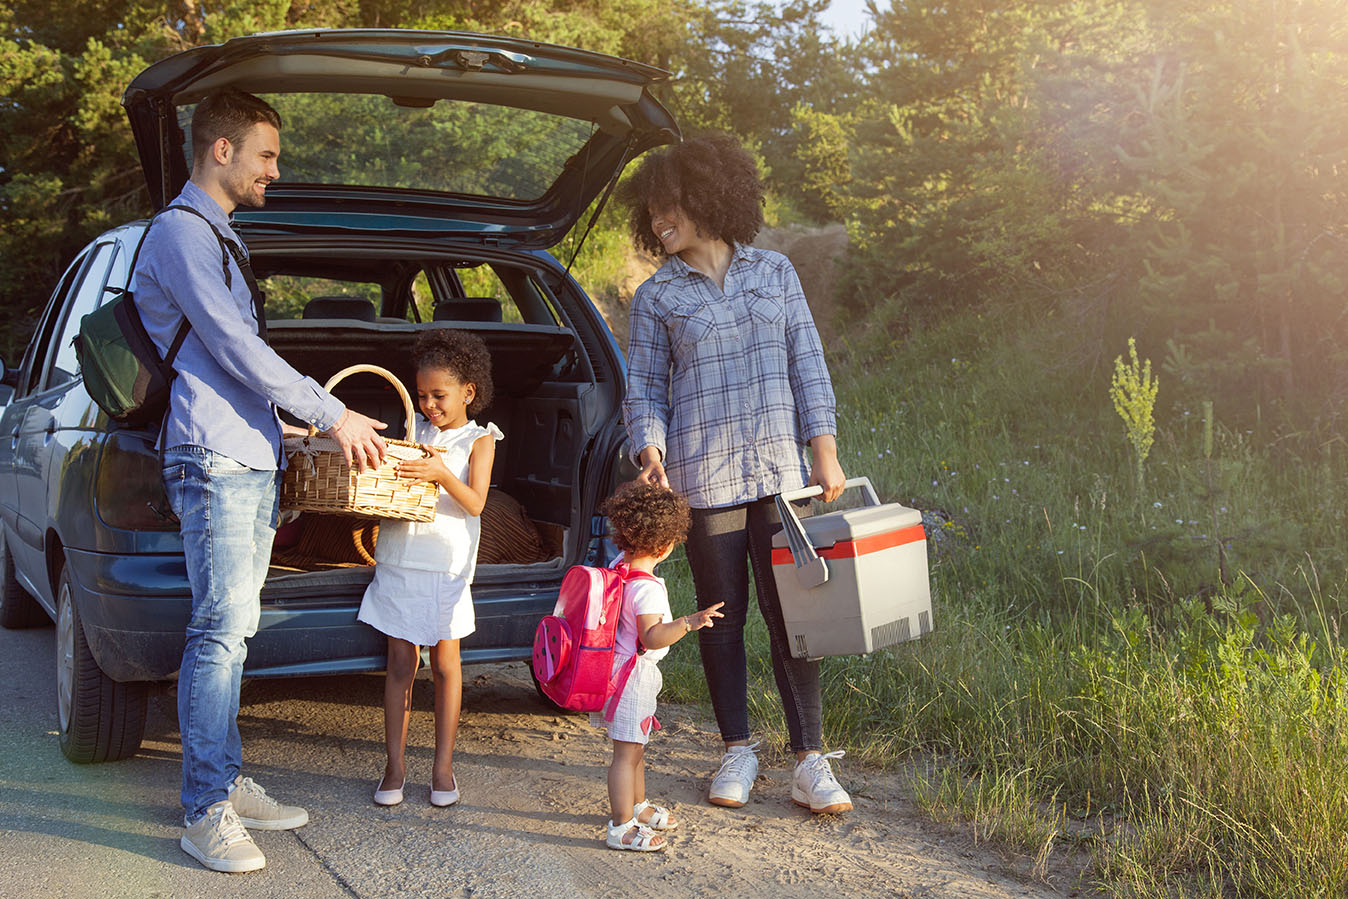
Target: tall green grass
{"points": [[1154, 676]]}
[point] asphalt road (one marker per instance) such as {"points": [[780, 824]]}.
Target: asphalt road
{"points": [[112, 829]]}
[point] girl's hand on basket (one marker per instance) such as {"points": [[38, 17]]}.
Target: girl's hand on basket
{"points": [[355, 434], [430, 467]]}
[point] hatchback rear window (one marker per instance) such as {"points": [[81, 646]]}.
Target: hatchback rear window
{"points": [[457, 147]]}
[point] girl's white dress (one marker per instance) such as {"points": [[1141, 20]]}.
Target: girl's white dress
{"points": [[420, 592], [634, 715]]}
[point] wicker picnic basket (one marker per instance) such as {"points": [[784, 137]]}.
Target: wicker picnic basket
{"points": [[318, 479]]}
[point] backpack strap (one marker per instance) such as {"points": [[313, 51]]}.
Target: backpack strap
{"points": [[228, 248], [620, 683]]}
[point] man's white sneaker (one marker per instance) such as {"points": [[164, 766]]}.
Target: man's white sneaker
{"points": [[217, 840], [814, 786], [259, 811], [735, 778]]}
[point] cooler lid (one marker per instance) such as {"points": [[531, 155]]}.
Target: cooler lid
{"points": [[852, 524]]}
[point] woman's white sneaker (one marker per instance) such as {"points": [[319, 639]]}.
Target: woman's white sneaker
{"points": [[735, 778], [814, 786]]}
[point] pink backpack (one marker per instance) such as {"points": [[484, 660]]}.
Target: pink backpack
{"points": [[573, 647]]}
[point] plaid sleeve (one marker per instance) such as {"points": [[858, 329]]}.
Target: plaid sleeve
{"points": [[646, 406], [816, 408]]}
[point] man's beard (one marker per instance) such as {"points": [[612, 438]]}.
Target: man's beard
{"points": [[245, 195]]}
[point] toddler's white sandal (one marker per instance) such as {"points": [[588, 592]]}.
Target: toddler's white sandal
{"points": [[642, 842], [659, 818]]}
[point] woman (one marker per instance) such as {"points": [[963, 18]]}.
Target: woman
{"points": [[726, 386]]}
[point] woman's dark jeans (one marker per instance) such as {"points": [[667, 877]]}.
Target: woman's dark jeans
{"points": [[719, 543]]}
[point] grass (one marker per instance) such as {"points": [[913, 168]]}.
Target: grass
{"points": [[1153, 675]]}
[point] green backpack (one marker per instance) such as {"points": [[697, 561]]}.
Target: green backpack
{"points": [[122, 369]]}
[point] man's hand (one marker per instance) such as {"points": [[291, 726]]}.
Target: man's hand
{"points": [[355, 434], [652, 468]]}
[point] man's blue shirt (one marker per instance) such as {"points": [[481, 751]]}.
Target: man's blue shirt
{"points": [[229, 380]]}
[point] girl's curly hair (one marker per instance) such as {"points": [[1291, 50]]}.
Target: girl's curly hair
{"points": [[463, 355], [644, 518], [712, 179]]}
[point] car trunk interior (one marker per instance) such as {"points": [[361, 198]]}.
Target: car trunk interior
{"points": [[540, 410]]}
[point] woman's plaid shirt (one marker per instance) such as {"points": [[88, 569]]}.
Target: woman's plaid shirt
{"points": [[729, 386]]}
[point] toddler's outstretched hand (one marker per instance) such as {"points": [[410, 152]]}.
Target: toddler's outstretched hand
{"points": [[703, 618]]}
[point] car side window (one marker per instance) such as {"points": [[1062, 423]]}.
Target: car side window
{"points": [[34, 360], [85, 299]]}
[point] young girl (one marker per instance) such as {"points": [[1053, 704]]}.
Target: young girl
{"points": [[420, 593], [647, 523]]}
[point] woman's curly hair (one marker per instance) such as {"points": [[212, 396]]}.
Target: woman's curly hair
{"points": [[644, 518], [463, 355], [712, 179]]}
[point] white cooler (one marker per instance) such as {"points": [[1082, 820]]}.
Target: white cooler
{"points": [[854, 581]]}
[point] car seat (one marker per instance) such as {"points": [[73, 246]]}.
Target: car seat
{"points": [[468, 309], [355, 308]]}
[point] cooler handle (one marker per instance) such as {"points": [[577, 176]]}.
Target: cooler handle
{"points": [[811, 570], [814, 490]]}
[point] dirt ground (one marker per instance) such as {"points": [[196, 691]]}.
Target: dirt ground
{"points": [[526, 769], [770, 848]]}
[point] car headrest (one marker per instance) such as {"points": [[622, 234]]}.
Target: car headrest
{"points": [[468, 309], [357, 308]]}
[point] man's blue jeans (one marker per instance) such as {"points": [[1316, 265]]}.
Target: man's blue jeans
{"points": [[228, 519]]}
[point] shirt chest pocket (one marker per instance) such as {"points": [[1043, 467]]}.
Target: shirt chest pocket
{"points": [[766, 306], [690, 325]]}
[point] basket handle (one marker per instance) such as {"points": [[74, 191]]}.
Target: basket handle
{"points": [[811, 570], [410, 434]]}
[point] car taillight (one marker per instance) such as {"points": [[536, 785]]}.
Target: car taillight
{"points": [[129, 491]]}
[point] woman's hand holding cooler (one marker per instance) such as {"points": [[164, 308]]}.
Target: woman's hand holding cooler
{"points": [[826, 471]]}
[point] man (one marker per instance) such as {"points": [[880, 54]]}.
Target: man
{"points": [[222, 448]]}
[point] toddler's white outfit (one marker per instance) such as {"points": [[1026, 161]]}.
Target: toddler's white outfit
{"points": [[634, 714], [420, 592]]}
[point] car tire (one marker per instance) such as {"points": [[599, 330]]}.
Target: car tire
{"points": [[18, 609], [100, 719], [543, 697]]}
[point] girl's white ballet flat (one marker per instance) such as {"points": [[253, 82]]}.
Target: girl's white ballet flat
{"points": [[388, 797], [659, 818], [644, 841], [443, 798]]}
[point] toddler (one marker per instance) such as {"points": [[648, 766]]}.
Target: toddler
{"points": [[647, 523]]}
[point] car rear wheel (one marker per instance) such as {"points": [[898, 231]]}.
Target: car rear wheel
{"points": [[101, 720], [546, 699], [18, 609]]}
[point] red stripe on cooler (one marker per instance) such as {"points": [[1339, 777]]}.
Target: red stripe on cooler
{"points": [[852, 549]]}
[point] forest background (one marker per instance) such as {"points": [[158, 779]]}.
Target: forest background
{"points": [[1091, 320]]}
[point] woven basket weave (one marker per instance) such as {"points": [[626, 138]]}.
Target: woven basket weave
{"points": [[318, 479]]}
